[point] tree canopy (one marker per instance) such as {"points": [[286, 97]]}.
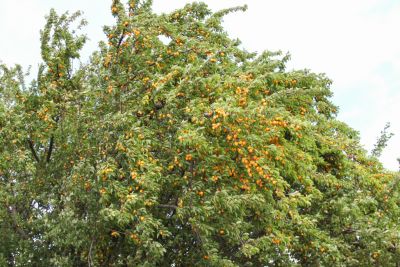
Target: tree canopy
{"points": [[173, 146]]}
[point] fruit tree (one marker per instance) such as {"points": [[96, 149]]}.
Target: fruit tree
{"points": [[173, 146]]}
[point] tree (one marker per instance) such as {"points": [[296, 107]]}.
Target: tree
{"points": [[175, 147]]}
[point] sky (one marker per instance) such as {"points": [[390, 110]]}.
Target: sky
{"points": [[354, 42]]}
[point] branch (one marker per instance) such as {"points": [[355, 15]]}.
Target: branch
{"points": [[382, 141], [51, 144], [30, 143], [50, 149], [121, 39], [169, 206], [348, 230]]}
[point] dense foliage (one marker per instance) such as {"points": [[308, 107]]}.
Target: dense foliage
{"points": [[175, 147]]}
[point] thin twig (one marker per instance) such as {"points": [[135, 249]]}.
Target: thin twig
{"points": [[90, 253]]}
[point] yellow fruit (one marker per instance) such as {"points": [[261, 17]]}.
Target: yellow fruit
{"points": [[114, 234]]}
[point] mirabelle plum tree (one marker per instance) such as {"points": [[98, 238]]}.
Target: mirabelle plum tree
{"points": [[175, 147]]}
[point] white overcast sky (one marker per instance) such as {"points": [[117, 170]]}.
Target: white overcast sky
{"points": [[355, 42]]}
